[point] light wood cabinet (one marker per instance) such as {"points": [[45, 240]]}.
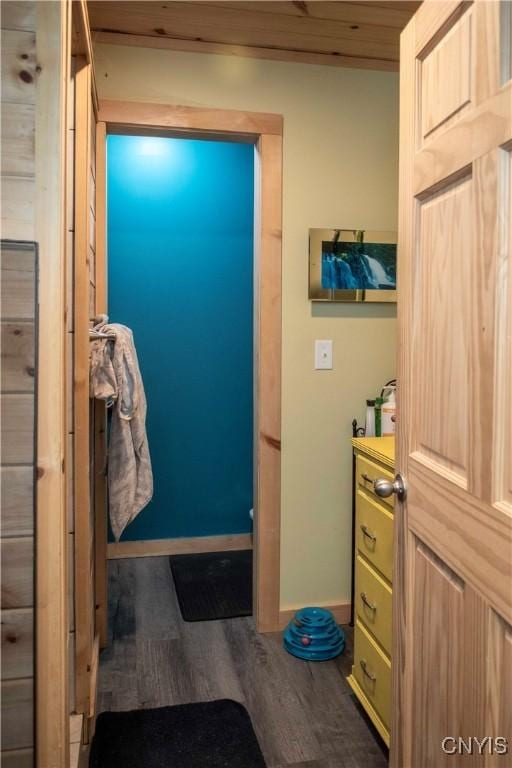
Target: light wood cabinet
{"points": [[371, 673]]}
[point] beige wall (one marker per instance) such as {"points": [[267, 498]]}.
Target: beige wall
{"points": [[340, 170]]}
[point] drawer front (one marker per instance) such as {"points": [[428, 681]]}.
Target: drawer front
{"points": [[372, 671], [373, 603], [374, 533], [367, 471]]}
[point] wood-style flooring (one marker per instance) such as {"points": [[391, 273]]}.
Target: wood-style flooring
{"points": [[303, 712]]}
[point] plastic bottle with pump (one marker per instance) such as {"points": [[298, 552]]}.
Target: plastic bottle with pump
{"points": [[370, 419]]}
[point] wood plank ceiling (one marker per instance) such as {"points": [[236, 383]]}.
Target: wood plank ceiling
{"points": [[347, 34]]}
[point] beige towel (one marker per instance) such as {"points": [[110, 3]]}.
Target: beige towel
{"points": [[115, 377]]}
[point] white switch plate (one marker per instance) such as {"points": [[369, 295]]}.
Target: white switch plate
{"points": [[323, 354]]}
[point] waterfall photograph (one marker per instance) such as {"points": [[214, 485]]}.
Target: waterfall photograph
{"points": [[358, 265]]}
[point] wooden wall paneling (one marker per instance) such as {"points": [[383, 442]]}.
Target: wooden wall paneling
{"points": [[18, 356], [17, 643], [17, 151], [18, 196], [18, 758], [18, 280], [19, 77], [17, 429], [53, 54], [17, 572], [19, 66], [84, 595], [18, 283], [17, 714], [17, 485], [19, 14]]}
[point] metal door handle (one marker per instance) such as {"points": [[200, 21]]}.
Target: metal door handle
{"points": [[369, 605], [365, 670], [368, 533], [385, 488]]}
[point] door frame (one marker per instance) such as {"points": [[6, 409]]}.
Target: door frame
{"points": [[265, 132]]}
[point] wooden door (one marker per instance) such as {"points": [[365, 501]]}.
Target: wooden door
{"points": [[452, 657]]}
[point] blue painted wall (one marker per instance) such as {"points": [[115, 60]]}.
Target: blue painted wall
{"points": [[180, 274]]}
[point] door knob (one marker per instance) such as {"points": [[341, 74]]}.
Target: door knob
{"points": [[385, 488]]}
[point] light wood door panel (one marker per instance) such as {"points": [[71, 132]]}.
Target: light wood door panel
{"points": [[440, 386], [452, 585], [449, 59]]}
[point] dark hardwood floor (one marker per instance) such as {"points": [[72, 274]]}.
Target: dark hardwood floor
{"points": [[303, 712]]}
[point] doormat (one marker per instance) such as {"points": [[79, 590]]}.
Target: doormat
{"points": [[213, 585], [217, 734]]}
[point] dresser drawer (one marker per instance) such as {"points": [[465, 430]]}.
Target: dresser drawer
{"points": [[367, 472], [374, 533], [373, 600], [372, 671]]}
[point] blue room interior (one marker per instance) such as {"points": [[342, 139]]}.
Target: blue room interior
{"points": [[180, 274]]}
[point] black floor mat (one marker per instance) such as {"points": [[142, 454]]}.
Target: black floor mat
{"points": [[216, 585], [217, 734]]}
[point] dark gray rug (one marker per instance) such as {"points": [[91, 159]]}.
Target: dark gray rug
{"points": [[216, 734], [216, 585]]}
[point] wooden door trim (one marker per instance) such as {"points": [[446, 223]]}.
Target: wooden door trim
{"points": [[125, 114], [53, 40], [265, 132], [84, 594], [100, 413]]}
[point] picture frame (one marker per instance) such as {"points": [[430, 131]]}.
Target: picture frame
{"points": [[349, 265]]}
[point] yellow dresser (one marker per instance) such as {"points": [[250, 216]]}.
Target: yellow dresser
{"points": [[371, 672]]}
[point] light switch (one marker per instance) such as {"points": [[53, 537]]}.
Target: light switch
{"points": [[323, 354]]}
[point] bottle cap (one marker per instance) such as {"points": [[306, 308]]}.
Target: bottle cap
{"points": [[379, 400], [370, 402]]}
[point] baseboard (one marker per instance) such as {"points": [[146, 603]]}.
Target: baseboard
{"points": [[340, 611], [191, 546]]}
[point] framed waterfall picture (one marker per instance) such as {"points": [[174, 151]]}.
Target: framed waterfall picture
{"points": [[352, 265]]}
